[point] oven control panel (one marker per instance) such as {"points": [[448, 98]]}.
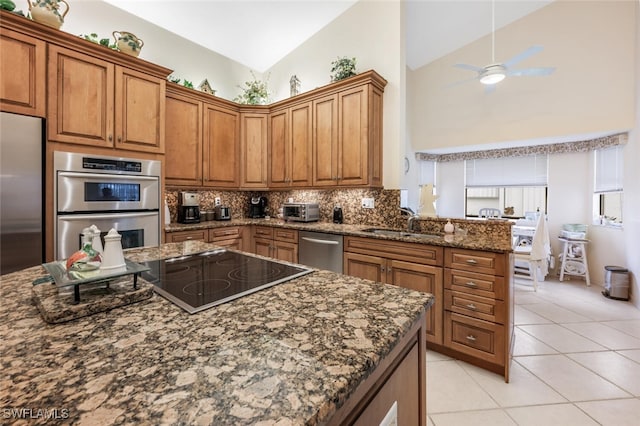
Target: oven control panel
{"points": [[111, 164]]}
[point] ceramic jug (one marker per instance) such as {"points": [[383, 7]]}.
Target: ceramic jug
{"points": [[47, 12], [113, 258], [128, 42]]}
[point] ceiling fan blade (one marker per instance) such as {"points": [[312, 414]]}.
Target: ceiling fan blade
{"points": [[523, 55], [469, 67], [531, 71]]}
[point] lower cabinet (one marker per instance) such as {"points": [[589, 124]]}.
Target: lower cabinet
{"points": [[409, 265], [228, 236], [478, 303], [278, 243]]}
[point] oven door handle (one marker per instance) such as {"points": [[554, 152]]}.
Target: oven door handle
{"points": [[94, 216], [106, 176]]}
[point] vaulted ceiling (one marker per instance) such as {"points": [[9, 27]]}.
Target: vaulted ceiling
{"points": [[258, 33]]}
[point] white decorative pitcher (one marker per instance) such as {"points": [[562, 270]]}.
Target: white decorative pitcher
{"points": [[113, 258], [47, 12]]}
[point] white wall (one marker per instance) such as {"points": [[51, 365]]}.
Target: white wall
{"points": [[372, 32], [584, 40], [188, 60]]}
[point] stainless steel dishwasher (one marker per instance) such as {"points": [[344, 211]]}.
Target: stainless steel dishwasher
{"points": [[320, 250]]}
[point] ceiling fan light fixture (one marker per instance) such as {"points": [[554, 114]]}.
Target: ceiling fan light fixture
{"points": [[493, 74]]}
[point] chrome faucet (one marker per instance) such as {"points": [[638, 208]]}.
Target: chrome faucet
{"points": [[412, 218]]}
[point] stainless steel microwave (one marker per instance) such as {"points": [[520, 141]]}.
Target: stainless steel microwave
{"points": [[301, 212]]}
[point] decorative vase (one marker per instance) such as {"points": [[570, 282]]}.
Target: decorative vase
{"points": [[449, 228], [47, 12], [128, 42]]}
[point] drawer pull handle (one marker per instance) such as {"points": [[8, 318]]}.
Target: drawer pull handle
{"points": [[471, 338], [472, 306], [472, 261], [471, 284]]}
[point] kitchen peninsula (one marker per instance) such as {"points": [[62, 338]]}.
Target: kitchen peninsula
{"points": [[320, 349]]}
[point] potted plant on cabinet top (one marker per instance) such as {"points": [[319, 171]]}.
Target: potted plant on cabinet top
{"points": [[256, 92], [343, 68]]}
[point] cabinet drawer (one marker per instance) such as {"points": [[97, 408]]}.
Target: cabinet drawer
{"points": [[225, 233], [482, 339], [475, 261], [178, 237], [396, 250], [263, 232], [479, 284], [474, 306], [288, 235]]}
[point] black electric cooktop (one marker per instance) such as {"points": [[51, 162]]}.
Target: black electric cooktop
{"points": [[199, 281]]}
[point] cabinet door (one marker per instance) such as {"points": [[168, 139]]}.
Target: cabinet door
{"points": [[22, 74], [140, 111], [353, 137], [183, 147], [325, 141], [80, 98], [262, 247], [279, 159], [427, 279], [221, 152], [253, 136], [300, 143], [365, 266], [286, 251]]}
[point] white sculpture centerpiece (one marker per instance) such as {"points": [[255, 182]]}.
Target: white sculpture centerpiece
{"points": [[427, 207], [113, 258]]}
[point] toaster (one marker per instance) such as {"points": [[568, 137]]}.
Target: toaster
{"points": [[222, 213]]}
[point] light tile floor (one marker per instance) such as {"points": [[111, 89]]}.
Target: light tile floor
{"points": [[576, 362]]}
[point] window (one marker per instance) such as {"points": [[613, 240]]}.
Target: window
{"points": [[607, 203], [514, 185]]}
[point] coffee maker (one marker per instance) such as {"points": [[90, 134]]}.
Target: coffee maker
{"points": [[188, 207], [257, 207]]}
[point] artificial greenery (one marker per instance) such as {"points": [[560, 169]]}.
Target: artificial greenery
{"points": [[343, 68], [256, 92], [93, 37], [186, 83]]}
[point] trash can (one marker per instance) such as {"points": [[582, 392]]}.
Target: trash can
{"points": [[616, 283]]}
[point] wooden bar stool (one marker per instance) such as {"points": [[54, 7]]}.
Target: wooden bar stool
{"points": [[574, 258]]}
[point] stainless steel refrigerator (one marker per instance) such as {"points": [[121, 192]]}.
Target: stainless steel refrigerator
{"points": [[21, 192]]}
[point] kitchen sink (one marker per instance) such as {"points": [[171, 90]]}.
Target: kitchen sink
{"points": [[398, 233]]}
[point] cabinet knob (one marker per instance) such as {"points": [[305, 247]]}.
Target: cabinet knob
{"points": [[382, 269], [471, 261], [471, 338], [472, 306], [119, 139], [471, 284], [110, 137]]}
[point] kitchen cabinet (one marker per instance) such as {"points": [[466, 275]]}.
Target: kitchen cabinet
{"points": [[278, 243], [347, 138], [221, 147], [478, 301], [226, 236], [409, 265], [183, 132], [253, 150], [23, 66], [92, 101], [290, 147]]}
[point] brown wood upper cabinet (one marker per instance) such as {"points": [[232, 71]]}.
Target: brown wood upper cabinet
{"points": [[253, 149], [94, 102], [347, 138], [183, 147], [290, 147], [221, 147], [23, 67]]}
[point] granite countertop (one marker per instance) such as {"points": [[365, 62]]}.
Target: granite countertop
{"points": [[290, 354], [482, 241]]}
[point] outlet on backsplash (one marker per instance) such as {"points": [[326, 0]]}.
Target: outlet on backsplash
{"points": [[217, 201], [368, 203]]}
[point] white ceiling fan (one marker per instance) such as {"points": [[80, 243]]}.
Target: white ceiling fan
{"points": [[495, 72]]}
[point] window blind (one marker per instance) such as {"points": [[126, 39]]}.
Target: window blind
{"points": [[507, 171], [608, 173]]}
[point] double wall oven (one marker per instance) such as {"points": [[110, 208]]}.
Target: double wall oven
{"points": [[109, 192]]}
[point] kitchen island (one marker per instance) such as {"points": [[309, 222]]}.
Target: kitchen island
{"points": [[320, 349]]}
